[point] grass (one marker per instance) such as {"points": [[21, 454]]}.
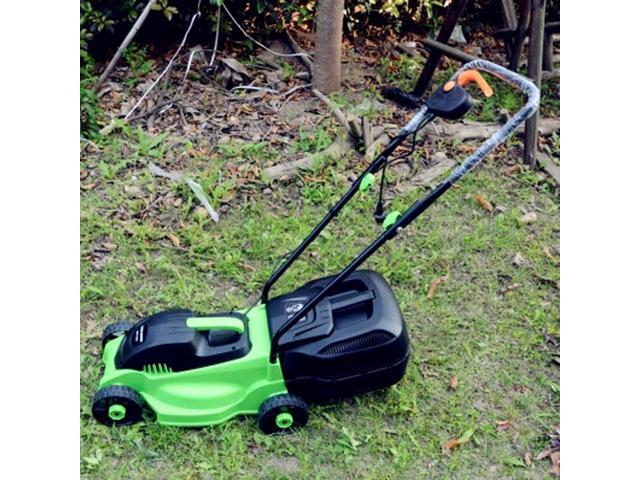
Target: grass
{"points": [[491, 324], [494, 344]]}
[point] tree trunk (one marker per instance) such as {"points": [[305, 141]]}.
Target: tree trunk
{"points": [[534, 71], [326, 67]]}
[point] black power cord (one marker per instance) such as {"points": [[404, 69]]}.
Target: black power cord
{"points": [[379, 213]]}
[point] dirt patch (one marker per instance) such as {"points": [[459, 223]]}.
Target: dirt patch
{"points": [[286, 465]]}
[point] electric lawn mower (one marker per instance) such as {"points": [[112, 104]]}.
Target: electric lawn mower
{"points": [[331, 338]]}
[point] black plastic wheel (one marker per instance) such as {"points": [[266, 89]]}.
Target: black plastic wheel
{"points": [[117, 405], [282, 414], [115, 330]]}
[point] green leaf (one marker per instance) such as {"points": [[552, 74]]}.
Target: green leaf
{"points": [[514, 462], [169, 11], [466, 436]]}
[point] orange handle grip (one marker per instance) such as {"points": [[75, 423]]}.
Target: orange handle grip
{"points": [[469, 76]]}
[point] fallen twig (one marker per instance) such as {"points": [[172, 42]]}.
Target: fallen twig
{"points": [[215, 43], [286, 170], [125, 43], [367, 136], [257, 89], [480, 130], [379, 143], [350, 126], [408, 50], [440, 164], [296, 48], [168, 67]]}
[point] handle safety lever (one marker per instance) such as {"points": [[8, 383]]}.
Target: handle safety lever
{"points": [[470, 76]]}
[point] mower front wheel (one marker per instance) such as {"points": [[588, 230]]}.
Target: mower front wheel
{"points": [[117, 405], [282, 414]]}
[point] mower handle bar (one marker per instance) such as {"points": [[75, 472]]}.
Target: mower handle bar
{"points": [[419, 206], [516, 80]]}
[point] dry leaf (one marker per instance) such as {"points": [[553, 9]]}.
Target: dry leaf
{"points": [[484, 203], [88, 186], [512, 169], [503, 291], [201, 212], [247, 266], [519, 260], [450, 445], [519, 388], [456, 442], [108, 246], [434, 286], [548, 254], [544, 454], [528, 218], [503, 425], [527, 459], [175, 240], [142, 267], [464, 148], [454, 383], [555, 463]]}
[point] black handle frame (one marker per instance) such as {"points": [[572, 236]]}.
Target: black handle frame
{"points": [[422, 117]]}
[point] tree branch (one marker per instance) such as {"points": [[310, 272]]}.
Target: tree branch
{"points": [[125, 43]]}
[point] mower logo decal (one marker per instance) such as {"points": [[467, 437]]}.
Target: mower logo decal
{"points": [[138, 336], [293, 308]]}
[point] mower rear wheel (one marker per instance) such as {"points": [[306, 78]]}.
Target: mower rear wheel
{"points": [[117, 405], [282, 414], [115, 330]]}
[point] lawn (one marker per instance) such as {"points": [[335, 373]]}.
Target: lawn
{"points": [[478, 286]]}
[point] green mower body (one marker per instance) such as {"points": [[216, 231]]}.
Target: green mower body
{"points": [[191, 370], [206, 395]]}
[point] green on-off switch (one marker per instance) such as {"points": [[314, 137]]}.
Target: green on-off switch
{"points": [[390, 219], [367, 182]]}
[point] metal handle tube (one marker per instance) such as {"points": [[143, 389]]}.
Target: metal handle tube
{"points": [[419, 118]]}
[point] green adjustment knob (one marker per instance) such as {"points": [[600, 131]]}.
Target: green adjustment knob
{"points": [[390, 219], [367, 182]]}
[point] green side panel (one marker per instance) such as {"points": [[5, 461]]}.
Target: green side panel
{"points": [[390, 219], [367, 182], [216, 323], [207, 395]]}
